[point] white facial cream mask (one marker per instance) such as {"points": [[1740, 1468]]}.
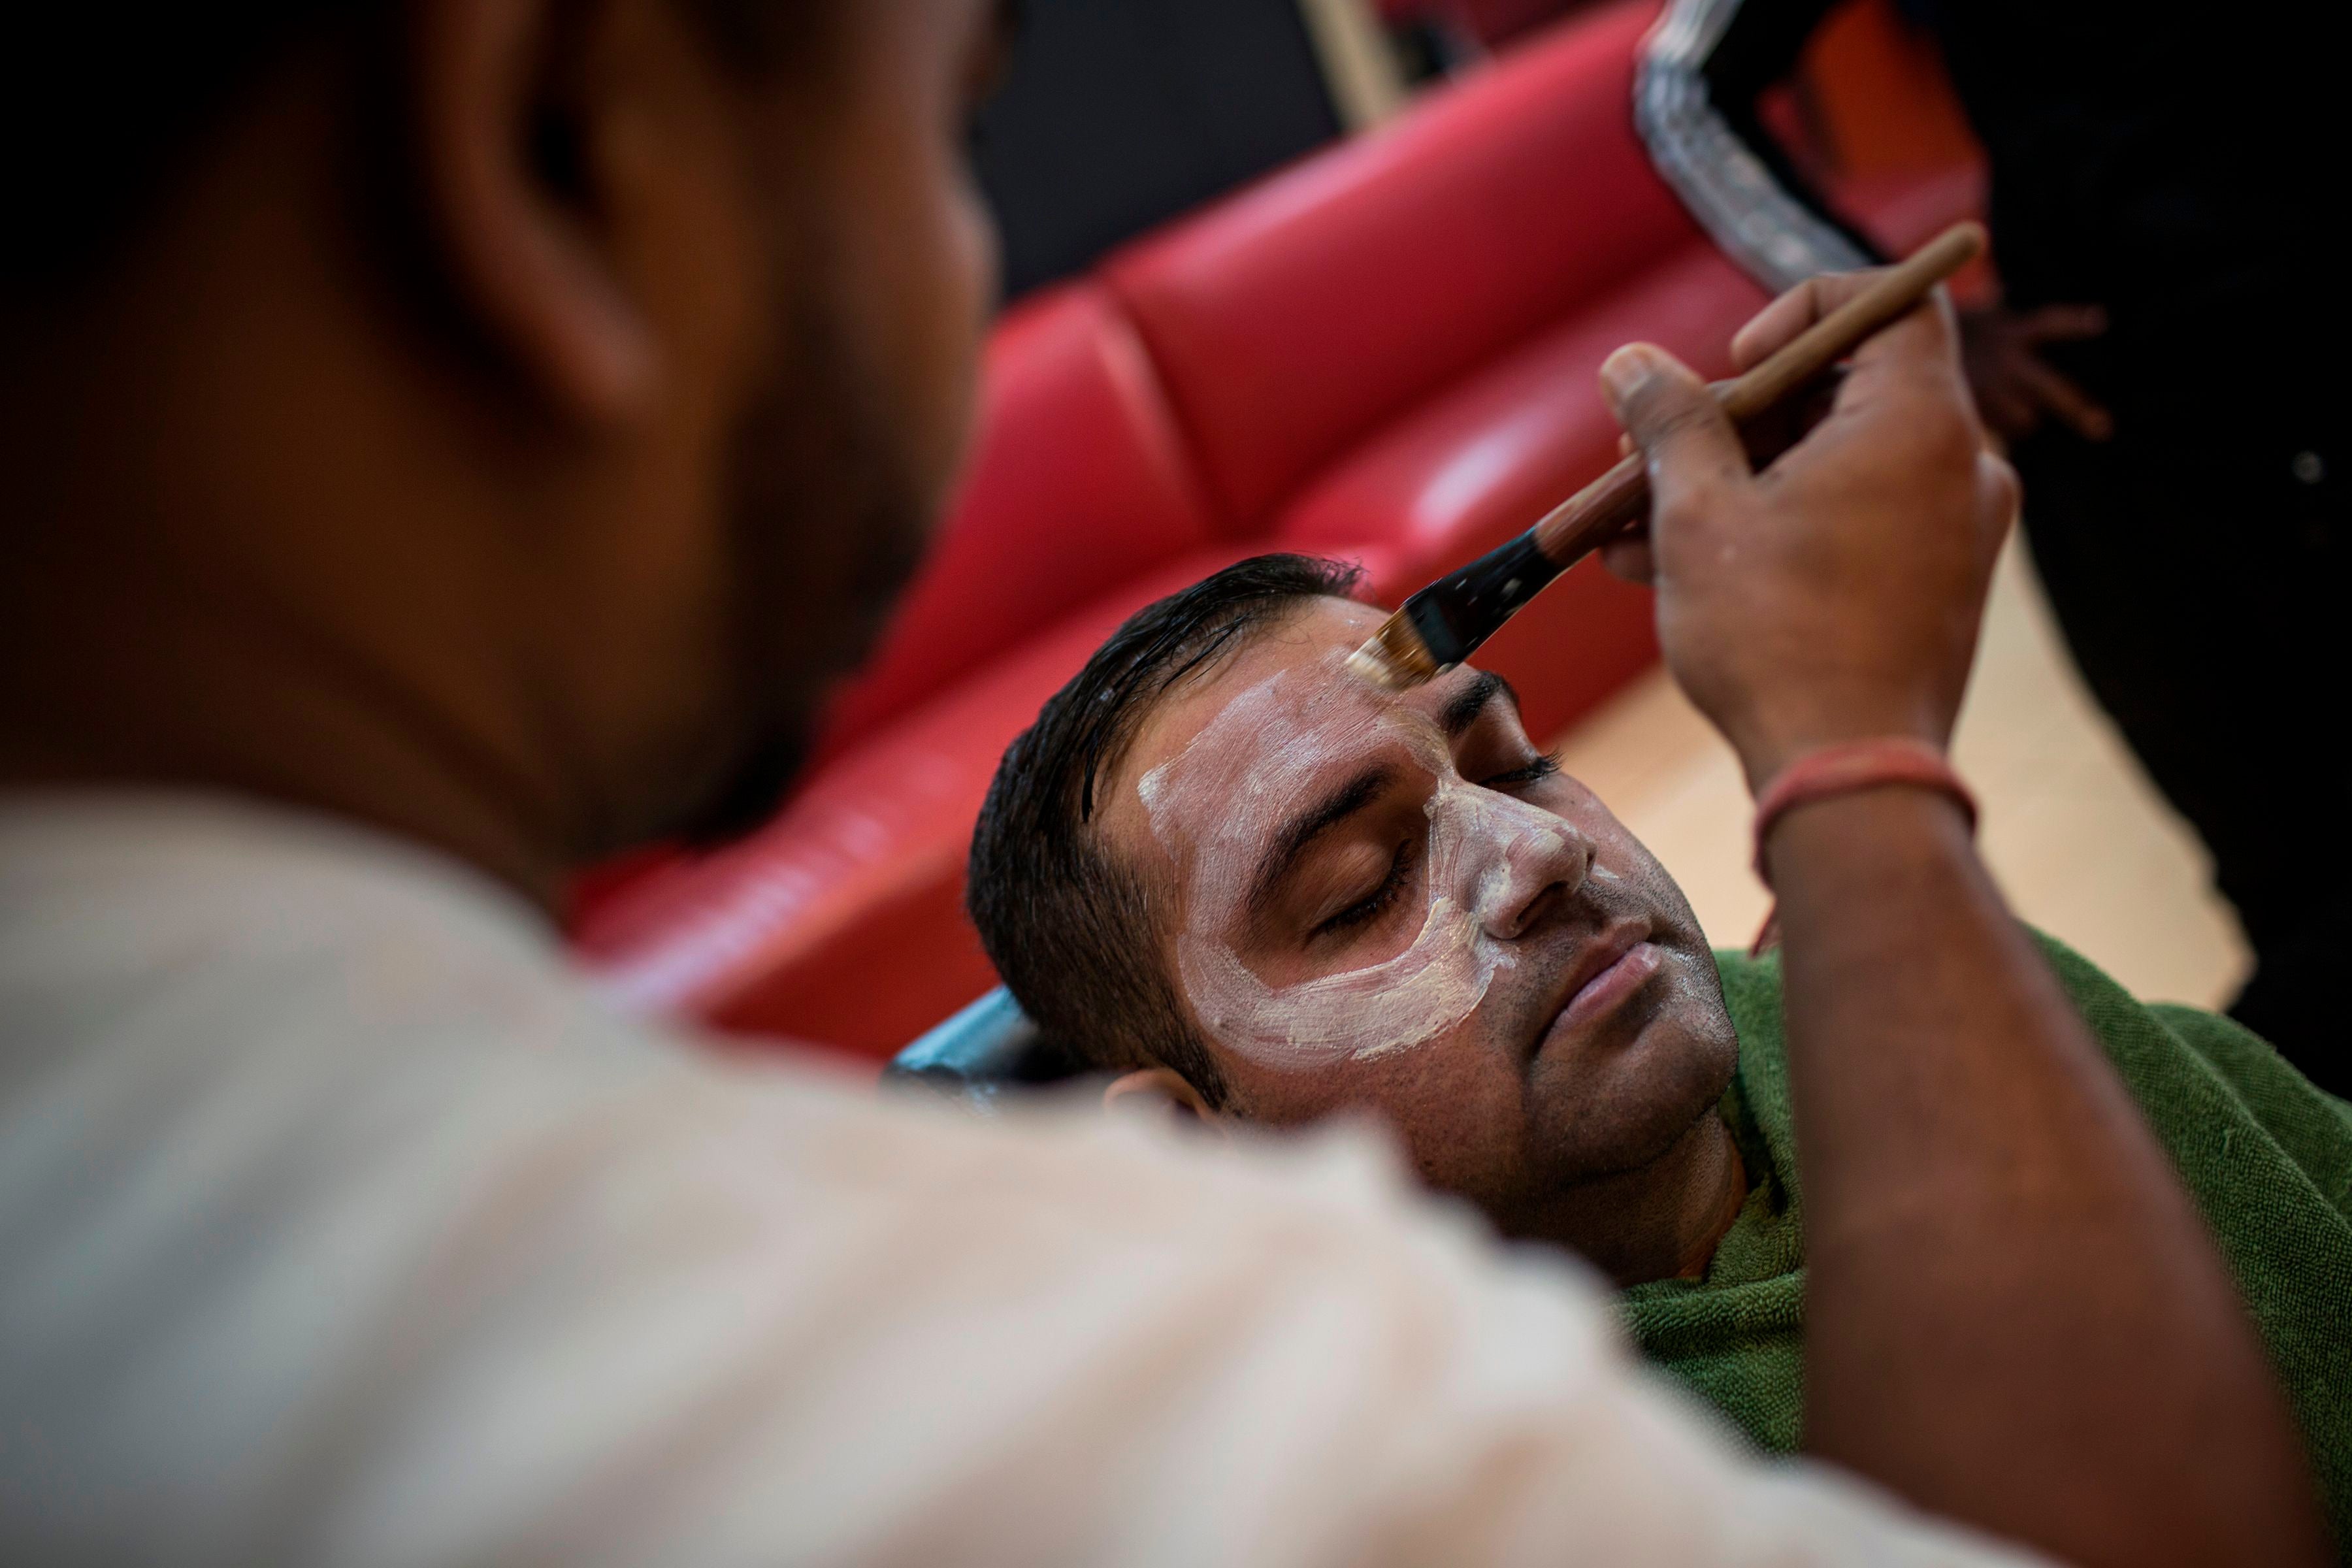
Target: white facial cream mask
{"points": [[1487, 855]]}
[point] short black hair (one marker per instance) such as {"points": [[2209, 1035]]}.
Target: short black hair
{"points": [[1071, 930], [105, 98]]}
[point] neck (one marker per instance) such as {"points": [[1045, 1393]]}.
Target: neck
{"points": [[1660, 1221], [188, 697]]}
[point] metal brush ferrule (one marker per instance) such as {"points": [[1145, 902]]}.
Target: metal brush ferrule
{"points": [[1457, 613]]}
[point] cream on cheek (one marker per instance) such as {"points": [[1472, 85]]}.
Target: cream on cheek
{"points": [[1487, 855]]}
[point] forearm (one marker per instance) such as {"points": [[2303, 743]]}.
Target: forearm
{"points": [[2015, 1316]]}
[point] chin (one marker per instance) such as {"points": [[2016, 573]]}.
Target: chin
{"points": [[831, 508], [1629, 1106]]}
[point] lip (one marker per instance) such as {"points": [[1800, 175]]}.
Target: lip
{"points": [[1607, 974]]}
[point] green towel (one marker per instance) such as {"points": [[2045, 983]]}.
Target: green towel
{"points": [[2267, 1156]]}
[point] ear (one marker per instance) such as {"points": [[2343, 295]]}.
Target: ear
{"points": [[1164, 1092], [520, 129]]}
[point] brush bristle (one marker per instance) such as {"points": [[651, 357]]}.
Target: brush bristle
{"points": [[1394, 656]]}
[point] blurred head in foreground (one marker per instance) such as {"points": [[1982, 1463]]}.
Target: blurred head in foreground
{"points": [[1225, 868], [497, 420]]}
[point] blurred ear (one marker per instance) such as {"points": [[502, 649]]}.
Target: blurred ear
{"points": [[536, 127], [1162, 1092]]}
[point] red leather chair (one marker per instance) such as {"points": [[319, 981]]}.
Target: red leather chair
{"points": [[1385, 352]]}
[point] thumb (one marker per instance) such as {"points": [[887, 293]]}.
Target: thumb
{"points": [[1676, 422]]}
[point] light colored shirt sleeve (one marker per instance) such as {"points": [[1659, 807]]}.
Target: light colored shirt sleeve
{"points": [[363, 1237]]}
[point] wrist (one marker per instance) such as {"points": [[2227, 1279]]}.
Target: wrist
{"points": [[1849, 769], [1770, 751]]}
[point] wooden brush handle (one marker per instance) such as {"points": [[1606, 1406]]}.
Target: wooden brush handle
{"points": [[1621, 498]]}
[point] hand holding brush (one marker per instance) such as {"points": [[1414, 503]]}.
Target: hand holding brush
{"points": [[1443, 624]]}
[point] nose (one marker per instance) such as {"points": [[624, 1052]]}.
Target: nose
{"points": [[1543, 864]]}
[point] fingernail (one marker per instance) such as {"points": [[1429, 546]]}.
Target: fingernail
{"points": [[1624, 372]]}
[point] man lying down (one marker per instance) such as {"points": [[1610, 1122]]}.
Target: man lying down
{"points": [[1231, 874]]}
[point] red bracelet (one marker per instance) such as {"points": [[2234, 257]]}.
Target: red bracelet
{"points": [[1854, 766]]}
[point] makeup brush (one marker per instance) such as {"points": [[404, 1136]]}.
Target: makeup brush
{"points": [[1443, 624]]}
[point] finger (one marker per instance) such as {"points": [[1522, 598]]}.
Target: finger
{"points": [[1773, 432], [1780, 322], [2075, 407], [1630, 558], [1921, 350], [1905, 383], [2063, 323], [1685, 437], [1923, 341], [1999, 492]]}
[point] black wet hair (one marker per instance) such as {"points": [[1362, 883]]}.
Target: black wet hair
{"points": [[1072, 930]]}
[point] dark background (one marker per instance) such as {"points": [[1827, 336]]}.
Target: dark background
{"points": [[1117, 114]]}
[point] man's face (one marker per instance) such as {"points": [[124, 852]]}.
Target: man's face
{"points": [[1395, 902], [853, 428]]}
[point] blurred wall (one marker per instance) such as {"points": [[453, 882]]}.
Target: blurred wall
{"points": [[1119, 114]]}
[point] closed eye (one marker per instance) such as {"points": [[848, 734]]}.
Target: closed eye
{"points": [[1542, 767], [1370, 909]]}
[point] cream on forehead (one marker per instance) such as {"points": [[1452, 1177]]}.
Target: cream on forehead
{"points": [[1482, 850], [1318, 713]]}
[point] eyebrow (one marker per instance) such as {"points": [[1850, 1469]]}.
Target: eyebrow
{"points": [[1359, 790], [1311, 823], [1463, 709]]}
